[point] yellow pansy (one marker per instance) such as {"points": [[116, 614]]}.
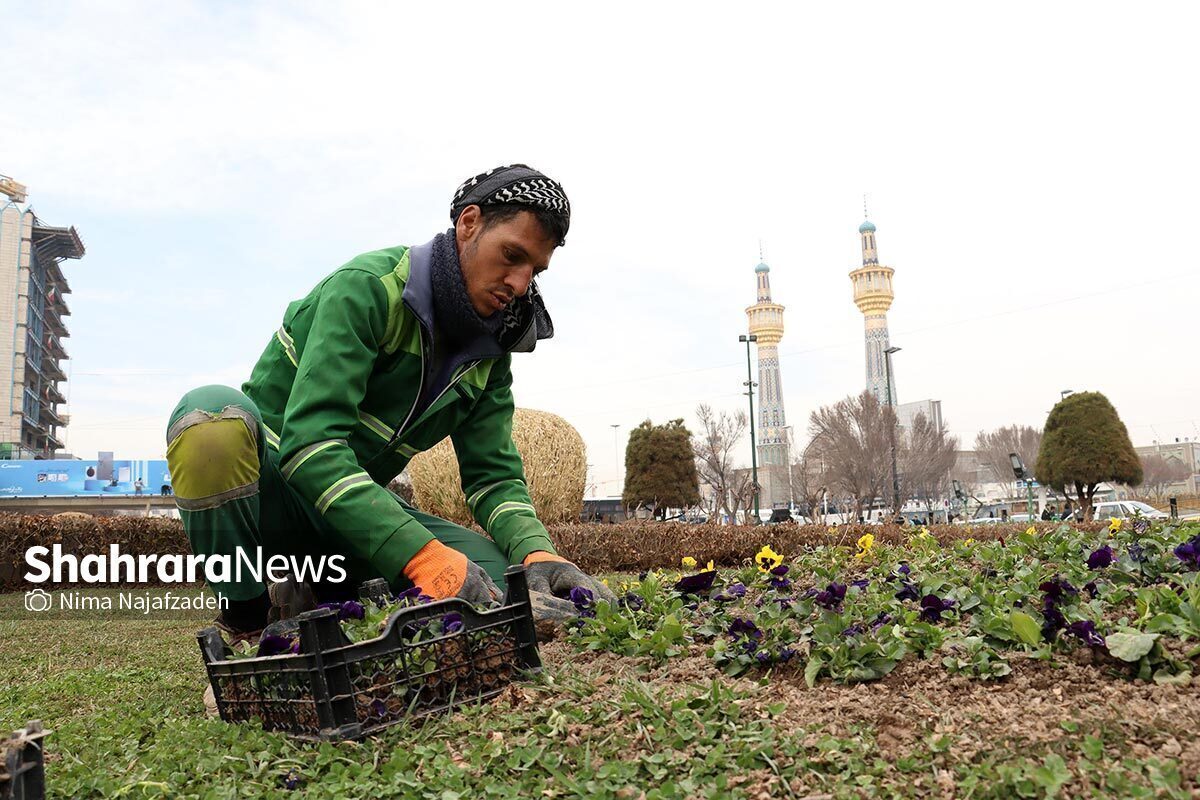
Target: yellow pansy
{"points": [[969, 542], [709, 567], [689, 562], [1114, 525], [767, 559], [865, 543], [1031, 531]]}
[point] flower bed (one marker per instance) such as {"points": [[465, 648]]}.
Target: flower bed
{"points": [[1127, 598]]}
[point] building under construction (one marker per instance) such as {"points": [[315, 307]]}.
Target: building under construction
{"points": [[33, 306]]}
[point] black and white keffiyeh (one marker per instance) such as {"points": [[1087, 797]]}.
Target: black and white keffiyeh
{"points": [[517, 183]]}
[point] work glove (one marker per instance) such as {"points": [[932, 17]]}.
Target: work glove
{"points": [[548, 608], [443, 572], [556, 576]]}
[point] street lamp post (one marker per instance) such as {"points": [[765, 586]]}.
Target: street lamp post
{"points": [[750, 384], [1023, 475], [887, 361], [791, 486], [617, 461]]}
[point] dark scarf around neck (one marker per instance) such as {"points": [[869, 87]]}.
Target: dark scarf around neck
{"points": [[453, 313]]}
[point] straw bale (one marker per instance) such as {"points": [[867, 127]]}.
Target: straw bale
{"points": [[555, 470]]}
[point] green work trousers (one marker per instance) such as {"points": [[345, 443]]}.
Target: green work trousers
{"points": [[231, 495]]}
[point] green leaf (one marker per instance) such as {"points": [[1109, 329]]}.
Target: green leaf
{"points": [[1129, 645], [812, 670], [1165, 676], [1025, 627], [1052, 775]]}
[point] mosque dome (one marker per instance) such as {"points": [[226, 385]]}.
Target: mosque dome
{"points": [[762, 267], [867, 227]]}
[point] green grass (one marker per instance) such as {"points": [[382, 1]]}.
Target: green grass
{"points": [[123, 698]]}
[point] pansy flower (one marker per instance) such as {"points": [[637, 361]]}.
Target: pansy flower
{"points": [[778, 580], [1092, 590], [1189, 552], [854, 630], [694, 584], [932, 607], [1100, 558], [272, 645], [1141, 525], [351, 609], [633, 601], [1056, 589], [861, 583], [1086, 629], [735, 591], [1137, 553], [883, 619], [1114, 525], [767, 559], [908, 591], [688, 562], [452, 622], [1052, 620], [584, 601], [865, 543], [832, 597]]}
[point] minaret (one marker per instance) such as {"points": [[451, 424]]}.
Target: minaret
{"points": [[873, 296], [766, 322]]}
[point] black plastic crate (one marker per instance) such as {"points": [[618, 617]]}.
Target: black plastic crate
{"points": [[336, 689], [22, 771]]}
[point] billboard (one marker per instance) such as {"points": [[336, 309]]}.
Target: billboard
{"points": [[61, 478]]}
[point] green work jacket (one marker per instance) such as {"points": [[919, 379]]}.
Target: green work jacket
{"points": [[347, 391]]}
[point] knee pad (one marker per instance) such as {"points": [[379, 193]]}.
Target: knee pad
{"points": [[213, 457]]}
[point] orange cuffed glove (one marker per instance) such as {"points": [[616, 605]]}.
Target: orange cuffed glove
{"points": [[443, 572]]}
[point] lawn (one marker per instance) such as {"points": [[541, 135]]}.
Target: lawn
{"points": [[658, 699]]}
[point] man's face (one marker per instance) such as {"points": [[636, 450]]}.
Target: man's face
{"points": [[499, 261]]}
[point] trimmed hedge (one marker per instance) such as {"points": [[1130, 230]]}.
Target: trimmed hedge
{"points": [[628, 547]]}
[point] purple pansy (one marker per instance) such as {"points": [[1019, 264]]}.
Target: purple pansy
{"points": [[883, 619], [832, 597], [908, 591], [1052, 620], [1189, 552], [735, 591], [633, 601], [378, 708], [1100, 558], [413, 596], [904, 569], [932, 607], [854, 630], [1086, 630], [1141, 525], [452, 622], [694, 584], [1092, 590], [1136, 552], [861, 583], [272, 645], [351, 609], [763, 657], [1057, 589], [291, 781], [786, 654], [583, 600], [744, 627]]}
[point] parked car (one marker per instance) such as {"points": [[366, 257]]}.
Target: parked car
{"points": [[1122, 509], [1024, 518]]}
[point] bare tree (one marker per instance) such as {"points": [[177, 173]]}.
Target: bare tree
{"points": [[1160, 473], [927, 455], [994, 447], [852, 436], [810, 480], [713, 444]]}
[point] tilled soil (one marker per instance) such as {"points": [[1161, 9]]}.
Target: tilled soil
{"points": [[919, 702]]}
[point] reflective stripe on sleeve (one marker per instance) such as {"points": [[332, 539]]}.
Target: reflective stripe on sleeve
{"points": [[294, 463], [331, 495], [505, 508]]}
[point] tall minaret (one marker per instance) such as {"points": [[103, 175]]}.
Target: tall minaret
{"points": [[766, 322], [873, 296]]}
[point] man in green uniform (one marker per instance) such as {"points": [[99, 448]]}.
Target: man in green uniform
{"points": [[391, 353]]}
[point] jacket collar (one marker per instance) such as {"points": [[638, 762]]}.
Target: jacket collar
{"points": [[526, 320]]}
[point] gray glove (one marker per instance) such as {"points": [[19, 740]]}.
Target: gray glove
{"points": [[479, 589], [548, 608], [558, 578]]}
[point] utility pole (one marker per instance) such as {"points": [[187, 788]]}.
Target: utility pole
{"points": [[887, 360], [750, 384]]}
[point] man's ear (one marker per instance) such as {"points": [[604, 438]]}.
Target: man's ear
{"points": [[470, 222]]}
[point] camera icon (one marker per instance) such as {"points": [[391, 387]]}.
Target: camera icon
{"points": [[38, 600]]}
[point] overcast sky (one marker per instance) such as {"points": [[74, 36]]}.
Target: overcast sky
{"points": [[1032, 170]]}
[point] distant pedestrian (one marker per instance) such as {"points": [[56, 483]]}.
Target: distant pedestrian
{"points": [[138, 485], [1048, 514]]}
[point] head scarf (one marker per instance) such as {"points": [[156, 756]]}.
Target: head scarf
{"points": [[513, 184]]}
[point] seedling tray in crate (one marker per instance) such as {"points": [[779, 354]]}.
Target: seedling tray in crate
{"points": [[424, 661], [22, 772]]}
